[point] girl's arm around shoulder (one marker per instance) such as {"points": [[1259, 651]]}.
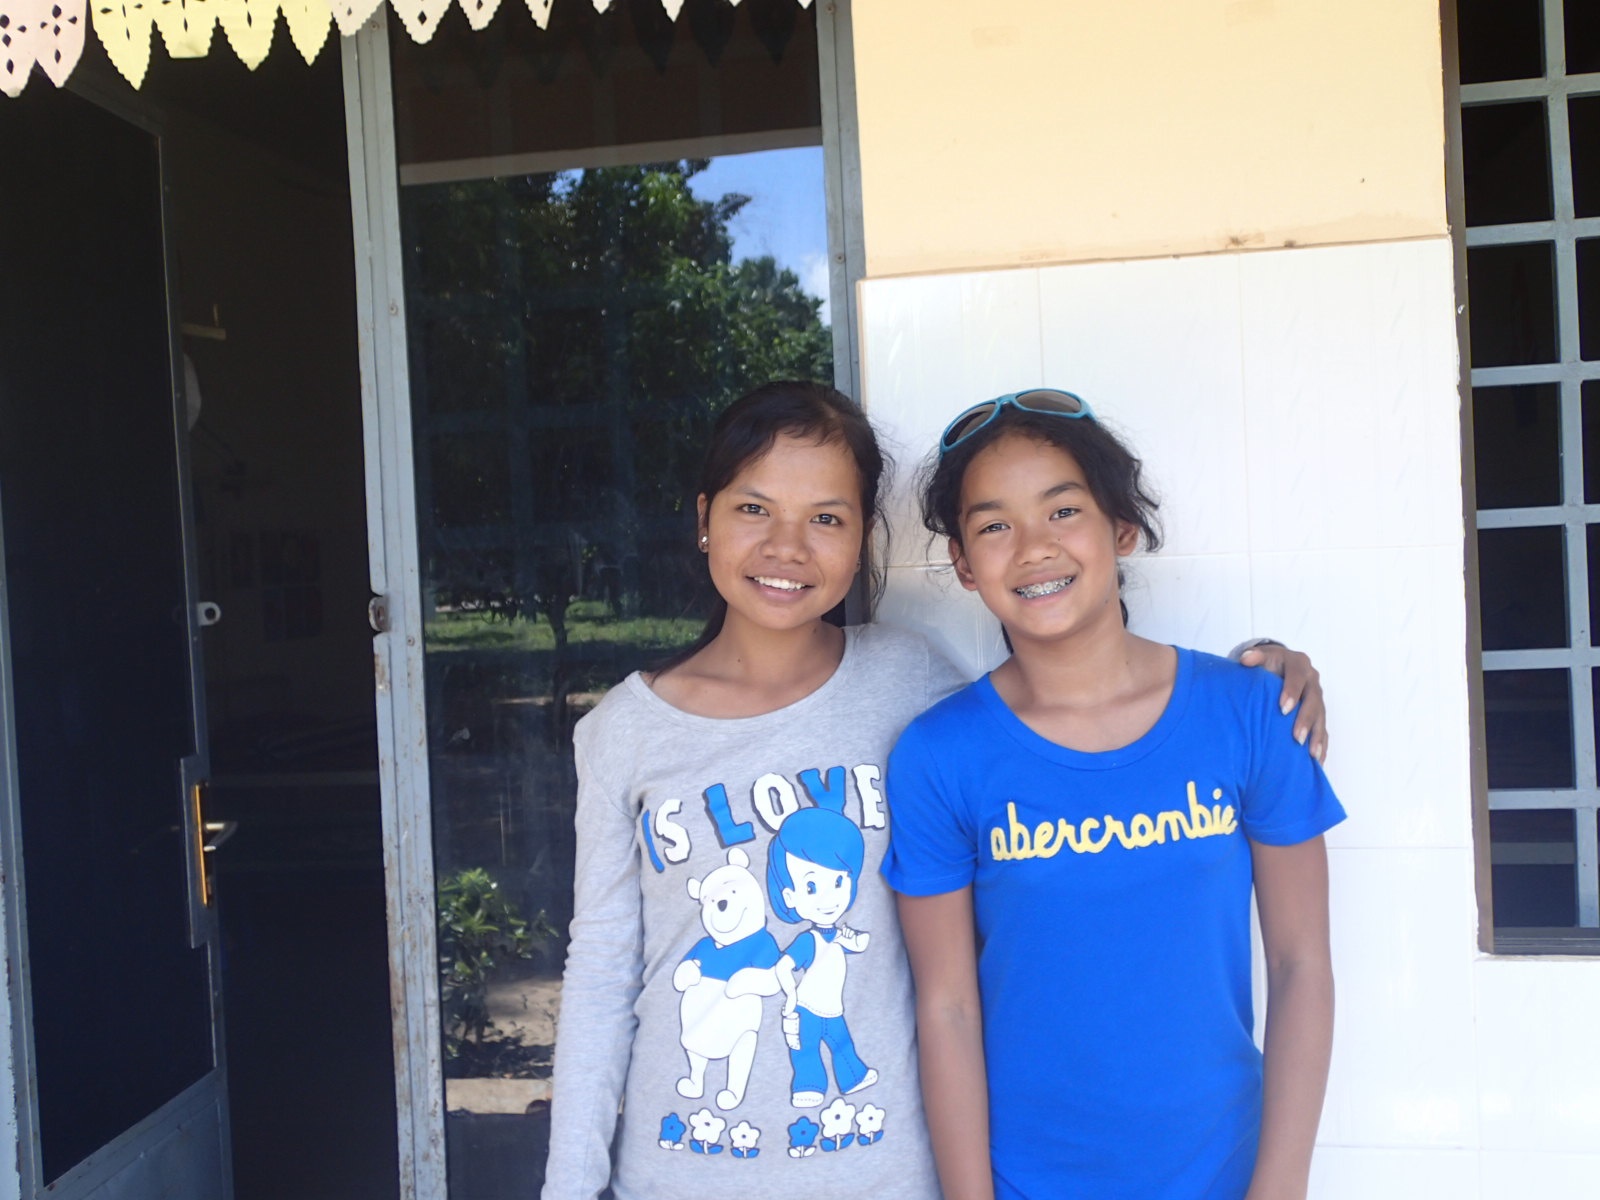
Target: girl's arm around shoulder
{"points": [[1302, 688], [603, 977], [1292, 896], [940, 941], [1285, 797]]}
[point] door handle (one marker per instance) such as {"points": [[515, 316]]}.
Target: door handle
{"points": [[202, 832], [200, 837], [217, 832]]}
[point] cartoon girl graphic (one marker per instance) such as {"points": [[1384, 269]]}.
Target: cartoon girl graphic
{"points": [[813, 863]]}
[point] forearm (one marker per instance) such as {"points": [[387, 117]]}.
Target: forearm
{"points": [[955, 1097], [940, 941], [1298, 1044]]}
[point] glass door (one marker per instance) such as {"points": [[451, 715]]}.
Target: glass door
{"points": [[102, 747], [602, 233]]}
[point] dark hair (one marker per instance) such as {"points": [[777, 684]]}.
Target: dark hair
{"points": [[1112, 471], [747, 429]]}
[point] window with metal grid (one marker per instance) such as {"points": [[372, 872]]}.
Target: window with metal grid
{"points": [[1530, 142]]}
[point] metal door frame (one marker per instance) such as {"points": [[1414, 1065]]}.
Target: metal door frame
{"points": [[399, 682], [392, 534], [19, 1117]]}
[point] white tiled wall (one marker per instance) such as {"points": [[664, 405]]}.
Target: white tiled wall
{"points": [[1298, 413]]}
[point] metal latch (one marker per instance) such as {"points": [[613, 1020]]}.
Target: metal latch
{"points": [[378, 614]]}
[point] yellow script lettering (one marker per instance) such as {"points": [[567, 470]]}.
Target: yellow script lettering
{"points": [[1015, 841], [1021, 847], [1069, 834], [1143, 829], [1199, 818], [1089, 846], [1117, 827]]}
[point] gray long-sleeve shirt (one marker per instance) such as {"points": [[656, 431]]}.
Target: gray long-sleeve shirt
{"points": [[736, 978]]}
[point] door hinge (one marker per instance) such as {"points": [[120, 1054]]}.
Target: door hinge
{"points": [[378, 614]]}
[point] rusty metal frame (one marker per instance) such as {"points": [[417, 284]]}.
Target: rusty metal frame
{"points": [[395, 579]]}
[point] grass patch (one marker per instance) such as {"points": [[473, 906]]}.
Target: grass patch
{"points": [[589, 623]]}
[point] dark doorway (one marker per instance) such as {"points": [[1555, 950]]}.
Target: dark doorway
{"points": [[263, 267], [117, 975]]}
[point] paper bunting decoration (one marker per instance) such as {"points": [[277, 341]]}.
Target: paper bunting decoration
{"points": [[480, 12], [309, 22], [185, 26], [47, 32], [249, 25], [123, 27], [59, 38], [50, 33], [19, 38], [351, 15], [420, 17]]}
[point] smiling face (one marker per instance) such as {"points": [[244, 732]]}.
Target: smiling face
{"points": [[1035, 545], [818, 894], [784, 538]]}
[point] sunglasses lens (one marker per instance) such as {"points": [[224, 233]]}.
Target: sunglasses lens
{"points": [[966, 423], [1064, 403]]}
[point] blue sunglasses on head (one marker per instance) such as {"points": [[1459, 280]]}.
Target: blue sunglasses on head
{"points": [[1048, 401]]}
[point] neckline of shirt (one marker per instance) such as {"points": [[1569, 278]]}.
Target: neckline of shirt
{"points": [[1095, 760], [647, 695]]}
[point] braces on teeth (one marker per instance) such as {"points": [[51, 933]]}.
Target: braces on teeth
{"points": [[1048, 588]]}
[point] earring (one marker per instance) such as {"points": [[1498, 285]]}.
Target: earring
{"points": [[704, 542]]}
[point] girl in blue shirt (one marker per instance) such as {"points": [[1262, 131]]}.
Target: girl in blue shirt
{"points": [[1076, 838]]}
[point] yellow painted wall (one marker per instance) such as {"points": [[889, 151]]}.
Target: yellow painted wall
{"points": [[999, 132]]}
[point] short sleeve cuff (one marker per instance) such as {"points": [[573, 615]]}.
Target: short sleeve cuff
{"points": [[923, 883], [1292, 833]]}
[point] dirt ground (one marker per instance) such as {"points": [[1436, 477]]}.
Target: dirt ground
{"points": [[526, 1009]]}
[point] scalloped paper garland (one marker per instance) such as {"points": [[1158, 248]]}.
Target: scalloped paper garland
{"points": [[123, 27], [58, 41], [185, 26], [49, 33], [420, 17], [249, 25], [19, 43], [309, 22]]}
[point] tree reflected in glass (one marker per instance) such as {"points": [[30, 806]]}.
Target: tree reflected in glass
{"points": [[573, 337]]}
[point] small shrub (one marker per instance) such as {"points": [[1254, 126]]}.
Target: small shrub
{"points": [[478, 929]]}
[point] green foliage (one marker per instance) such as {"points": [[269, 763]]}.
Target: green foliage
{"points": [[478, 929]]}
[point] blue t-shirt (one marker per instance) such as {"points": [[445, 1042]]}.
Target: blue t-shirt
{"points": [[1112, 898]]}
